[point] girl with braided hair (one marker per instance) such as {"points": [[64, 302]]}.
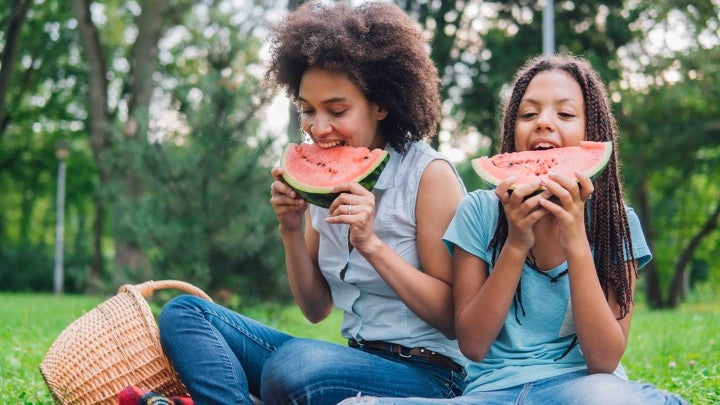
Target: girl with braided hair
{"points": [[359, 77], [545, 273]]}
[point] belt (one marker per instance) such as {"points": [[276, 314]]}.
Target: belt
{"points": [[429, 355]]}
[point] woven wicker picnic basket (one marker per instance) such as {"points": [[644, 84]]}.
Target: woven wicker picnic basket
{"points": [[114, 345]]}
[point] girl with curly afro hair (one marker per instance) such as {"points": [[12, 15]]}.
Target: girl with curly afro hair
{"points": [[360, 77]]}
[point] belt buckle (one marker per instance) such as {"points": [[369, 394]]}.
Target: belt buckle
{"points": [[403, 355]]}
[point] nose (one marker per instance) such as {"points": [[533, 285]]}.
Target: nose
{"points": [[545, 122], [320, 125]]}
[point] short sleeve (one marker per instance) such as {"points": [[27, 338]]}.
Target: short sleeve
{"points": [[641, 251], [474, 223]]}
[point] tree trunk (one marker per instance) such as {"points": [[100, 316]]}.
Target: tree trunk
{"points": [[100, 122], [681, 264], [94, 283], [653, 291], [18, 13], [294, 122], [442, 45]]}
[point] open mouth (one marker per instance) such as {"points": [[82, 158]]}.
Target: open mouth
{"points": [[330, 144], [543, 146]]}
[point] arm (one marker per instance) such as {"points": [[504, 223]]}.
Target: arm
{"points": [[602, 337], [482, 299], [427, 293], [307, 283]]}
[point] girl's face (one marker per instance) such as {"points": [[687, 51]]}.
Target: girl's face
{"points": [[334, 111], [551, 113]]}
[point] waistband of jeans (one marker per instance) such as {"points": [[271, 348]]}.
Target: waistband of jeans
{"points": [[406, 352]]}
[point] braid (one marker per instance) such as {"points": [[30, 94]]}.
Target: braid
{"points": [[606, 222]]}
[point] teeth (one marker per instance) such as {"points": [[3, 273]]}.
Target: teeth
{"points": [[329, 144], [542, 146]]}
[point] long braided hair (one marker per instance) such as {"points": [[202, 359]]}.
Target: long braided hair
{"points": [[606, 223]]}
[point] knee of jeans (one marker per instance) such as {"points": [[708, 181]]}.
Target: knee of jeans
{"points": [[630, 392], [601, 383], [173, 311], [601, 388]]}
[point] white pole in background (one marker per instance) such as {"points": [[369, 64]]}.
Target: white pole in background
{"points": [[549, 28], [62, 151]]}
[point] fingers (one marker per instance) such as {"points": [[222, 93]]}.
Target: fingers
{"points": [[569, 190], [521, 203], [507, 192], [586, 186], [354, 204], [345, 209], [284, 199], [279, 189]]}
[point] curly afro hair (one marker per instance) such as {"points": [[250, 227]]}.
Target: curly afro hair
{"points": [[379, 47]]}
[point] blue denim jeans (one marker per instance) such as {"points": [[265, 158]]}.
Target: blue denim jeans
{"points": [[577, 388], [568, 389], [223, 357]]}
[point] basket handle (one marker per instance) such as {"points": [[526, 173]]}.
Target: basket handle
{"points": [[147, 288]]}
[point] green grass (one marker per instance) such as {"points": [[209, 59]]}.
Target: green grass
{"points": [[678, 351], [675, 350]]}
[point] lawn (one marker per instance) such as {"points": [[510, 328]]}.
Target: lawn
{"points": [[675, 350]]}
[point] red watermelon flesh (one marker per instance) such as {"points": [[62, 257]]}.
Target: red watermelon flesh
{"points": [[313, 171], [589, 158]]}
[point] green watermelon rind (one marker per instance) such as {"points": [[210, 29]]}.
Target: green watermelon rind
{"points": [[491, 181], [321, 196]]}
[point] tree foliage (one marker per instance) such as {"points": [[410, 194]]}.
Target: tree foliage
{"points": [[162, 103], [671, 141]]}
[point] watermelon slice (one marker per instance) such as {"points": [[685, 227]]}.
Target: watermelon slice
{"points": [[589, 158], [313, 171]]}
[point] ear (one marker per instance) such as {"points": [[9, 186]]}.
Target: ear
{"points": [[381, 113]]}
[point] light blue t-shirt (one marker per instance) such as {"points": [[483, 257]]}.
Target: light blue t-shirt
{"points": [[372, 310], [535, 347]]}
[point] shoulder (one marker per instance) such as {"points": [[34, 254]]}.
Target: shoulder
{"points": [[479, 205], [422, 163], [439, 172], [633, 220], [474, 223], [631, 214], [432, 162], [481, 199]]}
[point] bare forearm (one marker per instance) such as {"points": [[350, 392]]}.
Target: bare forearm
{"points": [[480, 321], [600, 335], [428, 297], [307, 284]]}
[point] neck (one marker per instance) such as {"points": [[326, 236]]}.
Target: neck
{"points": [[546, 250]]}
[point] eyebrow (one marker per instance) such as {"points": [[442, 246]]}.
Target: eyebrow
{"points": [[333, 100], [560, 101]]}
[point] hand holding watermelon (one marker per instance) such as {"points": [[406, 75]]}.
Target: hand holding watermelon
{"points": [[354, 206], [568, 207], [522, 207], [288, 205]]}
